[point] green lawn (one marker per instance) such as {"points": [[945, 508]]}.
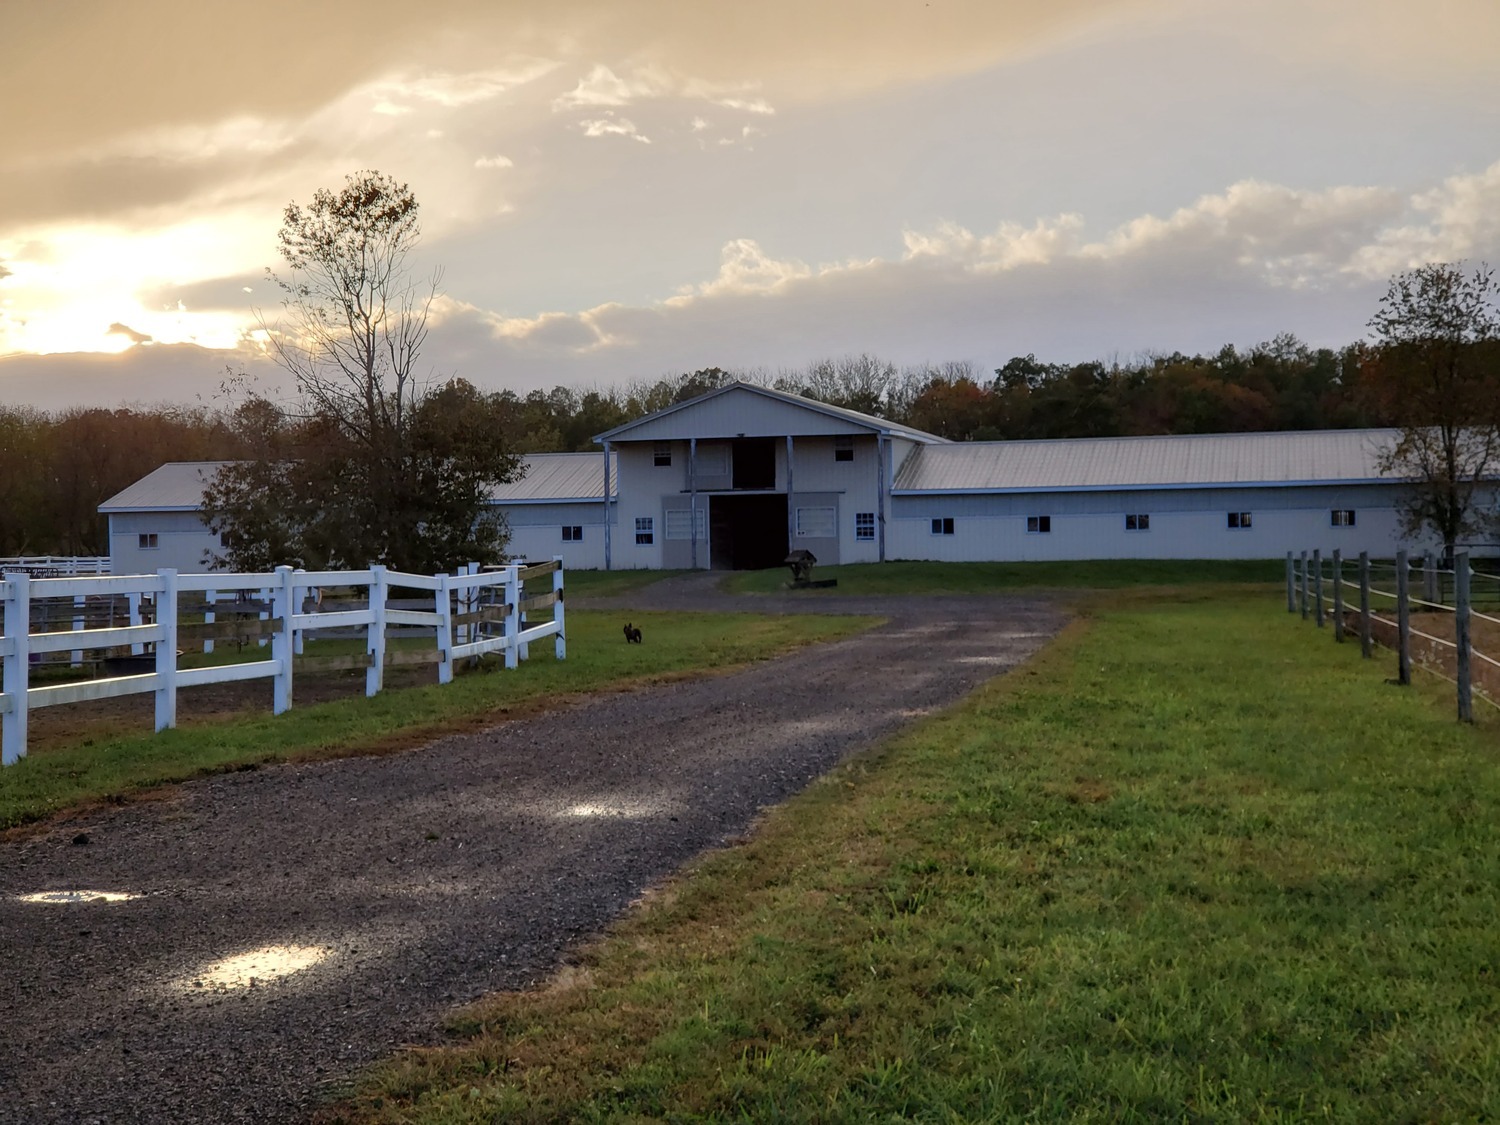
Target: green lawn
{"points": [[117, 761], [992, 577], [1193, 863]]}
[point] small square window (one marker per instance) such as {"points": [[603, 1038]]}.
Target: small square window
{"points": [[942, 525], [573, 534], [864, 525], [661, 454], [645, 531], [843, 448], [1038, 525], [1239, 520], [146, 541], [1139, 522], [1341, 517]]}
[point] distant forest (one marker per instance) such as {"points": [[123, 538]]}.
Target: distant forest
{"points": [[57, 468]]}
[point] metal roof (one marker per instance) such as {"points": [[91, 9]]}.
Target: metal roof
{"points": [[560, 477], [853, 417], [1170, 461], [176, 486], [550, 478]]}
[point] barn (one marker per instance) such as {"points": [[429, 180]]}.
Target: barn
{"points": [[735, 478]]}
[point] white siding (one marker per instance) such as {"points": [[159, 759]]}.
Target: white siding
{"points": [[182, 542]]}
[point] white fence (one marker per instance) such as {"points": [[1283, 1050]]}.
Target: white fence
{"points": [[55, 566], [472, 613]]}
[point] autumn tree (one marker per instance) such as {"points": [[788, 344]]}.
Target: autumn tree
{"points": [[387, 466], [1436, 368]]}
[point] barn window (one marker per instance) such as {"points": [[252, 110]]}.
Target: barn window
{"points": [[864, 525], [1341, 517], [146, 541], [573, 534], [679, 523], [942, 525], [1141, 522], [661, 454], [843, 448], [1038, 525], [1239, 520], [817, 523], [645, 531]]}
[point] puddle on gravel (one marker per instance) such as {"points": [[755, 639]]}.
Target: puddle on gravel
{"points": [[64, 898], [255, 967]]}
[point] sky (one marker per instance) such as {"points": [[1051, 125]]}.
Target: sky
{"points": [[620, 190]]}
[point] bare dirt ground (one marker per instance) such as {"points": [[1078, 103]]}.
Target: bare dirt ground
{"points": [[422, 880]]}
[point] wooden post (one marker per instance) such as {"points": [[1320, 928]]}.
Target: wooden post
{"points": [[1318, 586], [281, 640], [299, 597], [512, 614], [1338, 595], [1429, 578], [375, 632], [1461, 636], [443, 604], [561, 649], [166, 650], [1303, 602], [1291, 584], [692, 500], [16, 665], [1366, 642], [210, 599], [1403, 619]]}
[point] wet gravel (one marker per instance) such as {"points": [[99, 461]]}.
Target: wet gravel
{"points": [[422, 880]]}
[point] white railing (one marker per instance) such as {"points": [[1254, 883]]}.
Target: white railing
{"points": [[472, 613], [55, 566]]}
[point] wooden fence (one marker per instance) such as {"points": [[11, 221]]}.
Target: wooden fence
{"points": [[130, 627], [1433, 629]]}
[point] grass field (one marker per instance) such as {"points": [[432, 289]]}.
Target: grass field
{"points": [[1193, 863], [996, 577], [119, 759]]}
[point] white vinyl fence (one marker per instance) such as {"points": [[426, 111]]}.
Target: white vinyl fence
{"points": [[55, 566], [129, 629]]}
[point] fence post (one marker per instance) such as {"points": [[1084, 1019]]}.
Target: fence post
{"points": [[133, 602], [17, 666], [375, 634], [1318, 586], [561, 651], [1429, 578], [1304, 586], [444, 606], [281, 640], [1461, 636], [166, 650], [79, 605], [1366, 643], [210, 599], [512, 615], [1291, 584], [1338, 595], [1403, 619]]}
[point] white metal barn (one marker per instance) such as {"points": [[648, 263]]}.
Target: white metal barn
{"points": [[737, 477]]}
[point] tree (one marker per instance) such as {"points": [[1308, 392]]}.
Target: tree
{"points": [[379, 465], [1436, 367]]}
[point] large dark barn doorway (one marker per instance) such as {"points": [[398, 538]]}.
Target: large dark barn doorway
{"points": [[747, 532], [754, 463]]}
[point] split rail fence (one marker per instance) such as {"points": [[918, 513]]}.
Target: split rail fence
{"points": [[1433, 617], [128, 629]]}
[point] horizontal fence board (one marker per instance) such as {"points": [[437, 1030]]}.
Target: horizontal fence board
{"points": [[84, 587], [490, 615], [96, 638], [536, 570], [411, 617], [539, 601], [333, 577], [397, 659], [411, 581], [245, 628], [335, 663], [344, 619], [479, 648], [90, 689], [228, 673], [225, 582], [525, 636]]}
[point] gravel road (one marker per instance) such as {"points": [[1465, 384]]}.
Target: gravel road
{"points": [[407, 884]]}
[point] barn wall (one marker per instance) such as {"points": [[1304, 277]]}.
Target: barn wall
{"points": [[182, 542], [536, 532]]}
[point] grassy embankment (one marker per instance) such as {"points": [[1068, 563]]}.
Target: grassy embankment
{"points": [[1195, 862], [117, 758]]}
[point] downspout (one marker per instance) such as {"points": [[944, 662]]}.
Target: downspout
{"points": [[693, 495], [607, 520], [881, 456], [791, 517]]}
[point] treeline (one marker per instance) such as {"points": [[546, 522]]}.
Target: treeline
{"points": [[56, 469]]}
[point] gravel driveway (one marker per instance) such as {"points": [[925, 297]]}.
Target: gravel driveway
{"points": [[410, 883]]}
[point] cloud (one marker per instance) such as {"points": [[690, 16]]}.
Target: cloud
{"points": [[494, 162], [612, 127], [118, 329], [603, 88]]}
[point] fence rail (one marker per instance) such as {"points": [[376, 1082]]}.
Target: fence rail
{"points": [[133, 624], [53, 566], [1434, 631]]}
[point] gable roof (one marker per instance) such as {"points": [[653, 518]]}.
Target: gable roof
{"points": [[724, 419], [1167, 461], [176, 486]]}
